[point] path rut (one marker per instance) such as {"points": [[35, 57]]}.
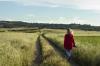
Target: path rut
{"points": [[60, 50], [39, 56]]}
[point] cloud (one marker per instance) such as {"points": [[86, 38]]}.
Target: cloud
{"points": [[77, 4], [93, 5], [25, 18], [55, 20]]}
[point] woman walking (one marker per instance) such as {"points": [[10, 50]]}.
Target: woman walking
{"points": [[69, 43]]}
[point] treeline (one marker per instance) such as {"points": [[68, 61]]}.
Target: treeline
{"points": [[19, 24]]}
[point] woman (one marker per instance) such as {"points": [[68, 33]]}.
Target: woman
{"points": [[69, 43]]}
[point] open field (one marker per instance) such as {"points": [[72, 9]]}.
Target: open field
{"points": [[77, 32], [16, 49], [21, 48], [87, 52]]}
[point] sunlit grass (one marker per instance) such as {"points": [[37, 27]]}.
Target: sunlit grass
{"points": [[16, 49], [61, 32], [87, 52], [52, 57]]}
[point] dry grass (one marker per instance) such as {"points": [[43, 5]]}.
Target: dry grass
{"points": [[52, 57], [16, 49]]}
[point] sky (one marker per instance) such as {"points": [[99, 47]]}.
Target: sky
{"points": [[51, 11]]}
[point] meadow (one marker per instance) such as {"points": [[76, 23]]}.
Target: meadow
{"points": [[50, 56], [16, 49], [88, 44], [19, 48]]}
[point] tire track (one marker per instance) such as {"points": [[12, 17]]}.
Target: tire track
{"points": [[39, 56], [59, 49], [55, 46]]}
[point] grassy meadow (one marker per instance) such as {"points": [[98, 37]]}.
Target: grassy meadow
{"points": [[50, 56], [18, 48], [88, 44]]}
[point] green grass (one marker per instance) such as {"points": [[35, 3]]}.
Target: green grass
{"points": [[16, 49], [19, 48], [87, 52], [61, 32]]}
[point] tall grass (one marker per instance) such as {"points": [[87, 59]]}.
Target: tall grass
{"points": [[87, 52], [51, 57], [16, 49]]}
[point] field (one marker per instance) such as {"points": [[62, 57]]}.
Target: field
{"points": [[30, 47], [88, 44], [16, 49]]}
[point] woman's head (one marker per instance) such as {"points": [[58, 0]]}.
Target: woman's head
{"points": [[69, 31]]}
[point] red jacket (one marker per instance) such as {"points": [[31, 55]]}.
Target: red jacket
{"points": [[69, 41]]}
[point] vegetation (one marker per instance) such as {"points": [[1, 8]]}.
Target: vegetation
{"points": [[16, 49], [51, 56], [19, 24], [19, 47], [87, 52]]}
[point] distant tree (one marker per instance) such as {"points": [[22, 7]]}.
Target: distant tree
{"points": [[19, 24]]}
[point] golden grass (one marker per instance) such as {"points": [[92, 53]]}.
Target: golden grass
{"points": [[52, 57], [16, 49]]}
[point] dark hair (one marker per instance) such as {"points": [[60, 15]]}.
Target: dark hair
{"points": [[68, 30]]}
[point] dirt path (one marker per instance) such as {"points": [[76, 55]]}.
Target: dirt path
{"points": [[56, 47], [60, 50], [39, 56]]}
